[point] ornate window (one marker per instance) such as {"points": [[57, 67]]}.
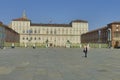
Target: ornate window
{"points": [[62, 31], [23, 31], [27, 38], [51, 32], [35, 31], [30, 31], [23, 38], [39, 31], [47, 31], [55, 31], [35, 38]]}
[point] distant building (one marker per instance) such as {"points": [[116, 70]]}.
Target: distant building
{"points": [[109, 35], [55, 35], [2, 35], [7, 36]]}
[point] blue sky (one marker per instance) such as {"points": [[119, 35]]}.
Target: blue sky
{"points": [[97, 12]]}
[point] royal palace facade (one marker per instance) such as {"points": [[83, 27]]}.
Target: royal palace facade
{"points": [[54, 35]]}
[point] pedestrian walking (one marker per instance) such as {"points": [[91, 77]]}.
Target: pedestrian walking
{"points": [[85, 50], [25, 45], [13, 45], [34, 46]]}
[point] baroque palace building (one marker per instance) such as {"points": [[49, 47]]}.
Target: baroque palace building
{"points": [[42, 34]]}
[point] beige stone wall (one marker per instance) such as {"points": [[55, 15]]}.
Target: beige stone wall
{"points": [[56, 35]]}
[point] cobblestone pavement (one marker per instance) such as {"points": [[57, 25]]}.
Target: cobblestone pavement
{"points": [[59, 64]]}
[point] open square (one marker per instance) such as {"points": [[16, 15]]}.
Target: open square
{"points": [[59, 64]]}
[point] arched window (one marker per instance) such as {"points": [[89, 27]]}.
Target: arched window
{"points": [[35, 38], [27, 38], [39, 38], [23, 38]]}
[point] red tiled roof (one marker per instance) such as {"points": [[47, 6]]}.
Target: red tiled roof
{"points": [[116, 22], [21, 19], [80, 21], [105, 27]]}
